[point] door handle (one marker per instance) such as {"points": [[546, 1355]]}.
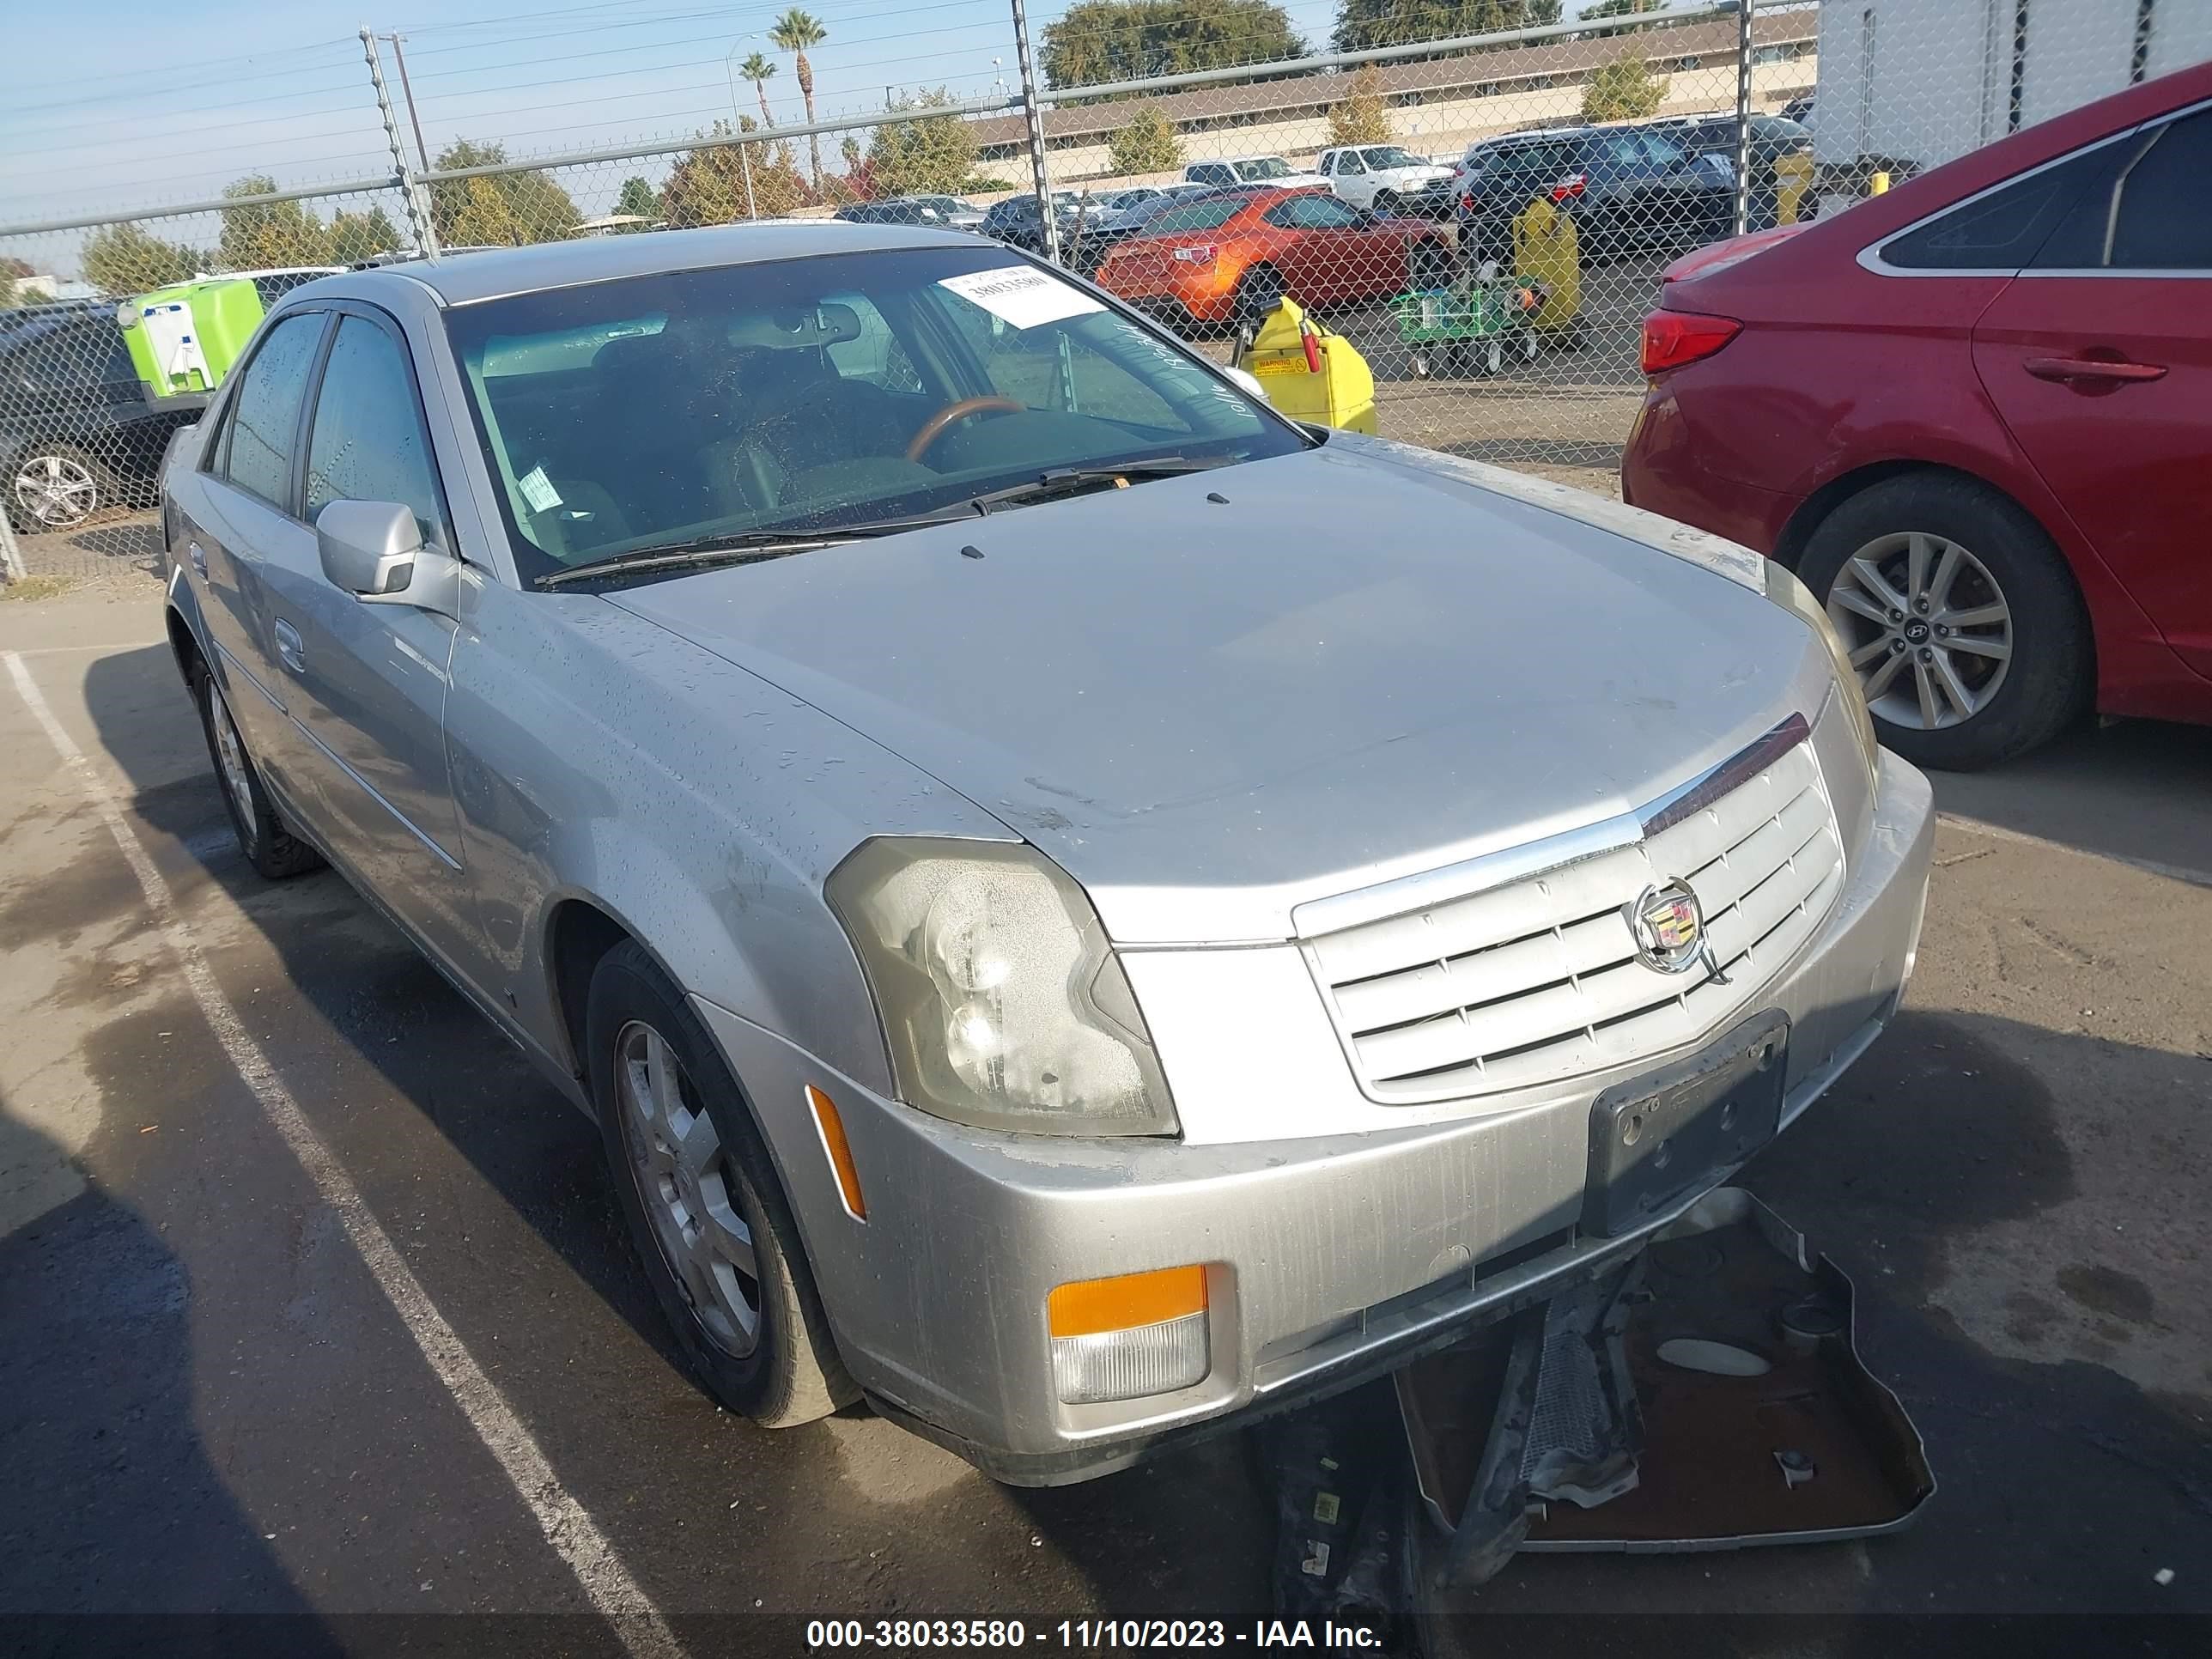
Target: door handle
{"points": [[198, 558], [291, 649], [2090, 368]]}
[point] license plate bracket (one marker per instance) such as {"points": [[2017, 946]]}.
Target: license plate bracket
{"points": [[1661, 1137]]}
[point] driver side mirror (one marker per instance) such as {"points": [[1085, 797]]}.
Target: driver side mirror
{"points": [[374, 551]]}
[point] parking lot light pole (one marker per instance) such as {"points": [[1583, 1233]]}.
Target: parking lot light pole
{"points": [[1743, 117], [1048, 223]]}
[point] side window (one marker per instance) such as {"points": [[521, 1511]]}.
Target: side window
{"points": [[1312, 213], [1351, 162], [2006, 230], [2165, 217], [876, 356], [264, 416], [367, 443]]}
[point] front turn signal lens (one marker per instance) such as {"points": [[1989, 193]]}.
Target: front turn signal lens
{"points": [[839, 1151], [1129, 1336]]}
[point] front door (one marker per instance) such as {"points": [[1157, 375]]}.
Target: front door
{"points": [[370, 680], [2101, 367]]}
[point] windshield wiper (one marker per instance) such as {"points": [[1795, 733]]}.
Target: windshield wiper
{"points": [[1064, 480], [744, 547]]}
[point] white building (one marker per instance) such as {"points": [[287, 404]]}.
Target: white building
{"points": [[1925, 81]]}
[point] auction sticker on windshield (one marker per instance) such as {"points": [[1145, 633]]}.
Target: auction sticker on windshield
{"points": [[1021, 295]]}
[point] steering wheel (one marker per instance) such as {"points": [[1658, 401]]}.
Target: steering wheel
{"points": [[934, 427]]}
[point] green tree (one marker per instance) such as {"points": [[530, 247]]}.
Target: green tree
{"points": [[933, 156], [757, 69], [536, 209], [1097, 40], [793, 33], [1361, 24], [639, 198], [706, 185], [357, 236], [269, 234], [1624, 89], [128, 259], [1361, 117], [1146, 142]]}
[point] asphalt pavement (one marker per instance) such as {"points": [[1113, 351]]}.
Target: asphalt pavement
{"points": [[222, 1400]]}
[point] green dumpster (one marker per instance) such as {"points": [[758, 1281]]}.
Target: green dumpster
{"points": [[184, 338]]}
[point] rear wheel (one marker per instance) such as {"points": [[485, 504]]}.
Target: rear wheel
{"points": [[273, 851], [1258, 292], [711, 1222], [1968, 633]]}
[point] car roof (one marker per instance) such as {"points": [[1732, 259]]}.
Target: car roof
{"points": [[466, 279]]}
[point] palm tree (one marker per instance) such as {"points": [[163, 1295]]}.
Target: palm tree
{"points": [[793, 33], [757, 69]]}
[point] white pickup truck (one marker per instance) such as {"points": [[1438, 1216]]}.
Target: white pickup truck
{"points": [[1250, 170], [1388, 180]]}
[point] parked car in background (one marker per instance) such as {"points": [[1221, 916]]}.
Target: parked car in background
{"points": [[1228, 257], [1117, 224], [1772, 137], [1385, 179], [1973, 415], [77, 432], [1083, 910], [947, 212], [1799, 110], [1251, 170], [1626, 188], [1017, 222]]}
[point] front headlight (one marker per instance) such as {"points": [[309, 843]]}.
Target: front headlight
{"points": [[1003, 1003], [1793, 596]]}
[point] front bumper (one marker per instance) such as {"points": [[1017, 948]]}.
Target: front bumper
{"points": [[1329, 1259]]}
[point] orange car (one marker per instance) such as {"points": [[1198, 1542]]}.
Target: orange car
{"points": [[1227, 259]]}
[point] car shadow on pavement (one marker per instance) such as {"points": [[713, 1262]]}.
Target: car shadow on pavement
{"points": [[2140, 790], [2065, 1484], [117, 1534]]}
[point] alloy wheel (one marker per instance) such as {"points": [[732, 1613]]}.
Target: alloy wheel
{"points": [[231, 762], [57, 491], [689, 1188], [1926, 626]]}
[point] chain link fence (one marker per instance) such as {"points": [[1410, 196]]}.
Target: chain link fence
{"points": [[1485, 217]]}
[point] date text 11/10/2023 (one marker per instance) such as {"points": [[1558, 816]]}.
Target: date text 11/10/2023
{"points": [[1085, 1635]]}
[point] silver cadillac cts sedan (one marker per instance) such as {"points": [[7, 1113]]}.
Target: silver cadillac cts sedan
{"points": [[1084, 910]]}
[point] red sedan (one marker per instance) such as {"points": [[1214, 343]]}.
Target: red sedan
{"points": [[1975, 415], [1228, 258]]}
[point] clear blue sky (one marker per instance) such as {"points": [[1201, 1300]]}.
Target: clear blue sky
{"points": [[170, 104]]}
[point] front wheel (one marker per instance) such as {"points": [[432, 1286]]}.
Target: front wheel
{"points": [[1960, 615], [55, 486], [710, 1220]]}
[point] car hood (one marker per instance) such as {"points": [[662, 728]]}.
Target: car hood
{"points": [[1360, 662]]}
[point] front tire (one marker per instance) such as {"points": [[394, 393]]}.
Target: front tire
{"points": [[54, 486], [710, 1219], [274, 852], [1968, 631]]}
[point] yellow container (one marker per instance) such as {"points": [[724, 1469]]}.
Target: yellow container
{"points": [[1341, 395], [1793, 177], [1545, 251]]}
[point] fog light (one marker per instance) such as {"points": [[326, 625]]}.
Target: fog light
{"points": [[1126, 1337]]}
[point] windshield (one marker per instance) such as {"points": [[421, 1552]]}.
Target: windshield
{"points": [[1267, 166], [1391, 156], [800, 395]]}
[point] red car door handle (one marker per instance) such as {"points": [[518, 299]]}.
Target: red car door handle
{"points": [[2090, 368]]}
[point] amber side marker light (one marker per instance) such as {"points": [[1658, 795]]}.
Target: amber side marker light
{"points": [[838, 1150], [1129, 1336]]}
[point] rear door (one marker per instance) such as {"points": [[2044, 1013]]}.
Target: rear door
{"points": [[2099, 358], [242, 517]]}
